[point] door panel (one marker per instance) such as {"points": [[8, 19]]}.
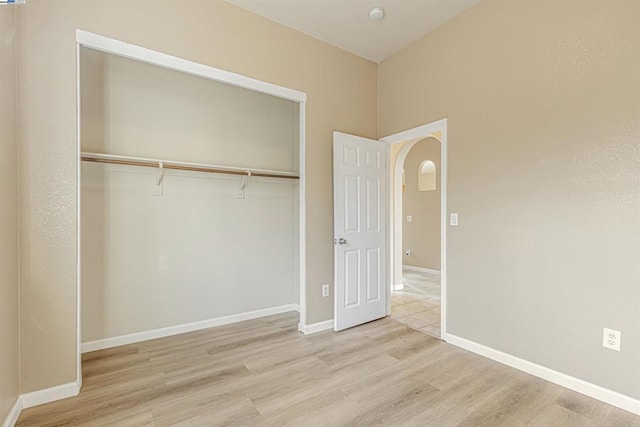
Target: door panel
{"points": [[373, 274], [352, 278], [351, 211], [373, 204], [360, 177]]}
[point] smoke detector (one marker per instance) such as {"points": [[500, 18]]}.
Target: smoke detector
{"points": [[376, 14]]}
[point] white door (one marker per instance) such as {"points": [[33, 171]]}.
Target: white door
{"points": [[359, 185]]}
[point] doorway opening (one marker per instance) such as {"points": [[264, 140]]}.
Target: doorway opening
{"points": [[415, 299], [413, 277]]}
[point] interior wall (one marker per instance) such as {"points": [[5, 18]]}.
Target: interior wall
{"points": [[341, 95], [9, 285], [543, 106], [422, 234], [143, 110], [196, 252]]}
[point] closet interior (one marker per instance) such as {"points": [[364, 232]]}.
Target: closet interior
{"points": [[189, 193]]}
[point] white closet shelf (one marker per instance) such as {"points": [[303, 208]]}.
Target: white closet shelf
{"points": [[196, 167]]}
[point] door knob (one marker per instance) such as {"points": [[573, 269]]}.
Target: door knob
{"points": [[342, 241]]}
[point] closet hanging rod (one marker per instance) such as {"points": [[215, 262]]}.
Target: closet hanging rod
{"points": [[195, 167]]}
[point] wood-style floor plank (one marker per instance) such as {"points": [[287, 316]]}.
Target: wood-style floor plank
{"points": [[263, 372]]}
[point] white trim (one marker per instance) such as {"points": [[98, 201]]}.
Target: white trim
{"points": [[388, 235], [420, 132], [442, 124], [420, 269], [186, 327], [595, 391], [315, 327], [14, 414], [78, 224], [116, 47], [302, 215], [437, 129], [40, 397]]}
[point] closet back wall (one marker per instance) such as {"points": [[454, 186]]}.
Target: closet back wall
{"points": [[137, 109], [196, 252]]}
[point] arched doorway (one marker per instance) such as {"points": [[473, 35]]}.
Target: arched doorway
{"points": [[416, 295]]}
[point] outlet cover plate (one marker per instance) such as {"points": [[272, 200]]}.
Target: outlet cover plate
{"points": [[611, 339]]}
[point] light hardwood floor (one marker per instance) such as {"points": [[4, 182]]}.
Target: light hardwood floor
{"points": [[264, 372]]}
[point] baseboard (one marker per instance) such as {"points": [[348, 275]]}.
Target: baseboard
{"points": [[186, 327], [595, 391], [40, 397], [420, 269], [14, 413], [315, 327]]}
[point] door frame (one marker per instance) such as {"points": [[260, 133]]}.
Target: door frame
{"points": [[409, 138], [119, 48]]}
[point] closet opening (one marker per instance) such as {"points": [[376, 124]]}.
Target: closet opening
{"points": [[191, 196]]}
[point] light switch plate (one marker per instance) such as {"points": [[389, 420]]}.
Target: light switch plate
{"points": [[454, 219], [409, 218]]}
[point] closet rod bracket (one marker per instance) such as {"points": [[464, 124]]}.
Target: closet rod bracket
{"points": [[243, 184], [159, 179]]}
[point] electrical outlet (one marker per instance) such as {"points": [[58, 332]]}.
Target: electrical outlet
{"points": [[407, 252], [325, 290], [611, 339]]}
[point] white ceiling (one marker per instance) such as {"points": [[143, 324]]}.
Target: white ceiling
{"points": [[346, 24]]}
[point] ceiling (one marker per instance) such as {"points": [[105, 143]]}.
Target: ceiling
{"points": [[346, 24]]}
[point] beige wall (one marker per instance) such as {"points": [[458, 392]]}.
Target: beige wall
{"points": [[422, 234], [543, 107], [9, 354], [341, 91]]}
